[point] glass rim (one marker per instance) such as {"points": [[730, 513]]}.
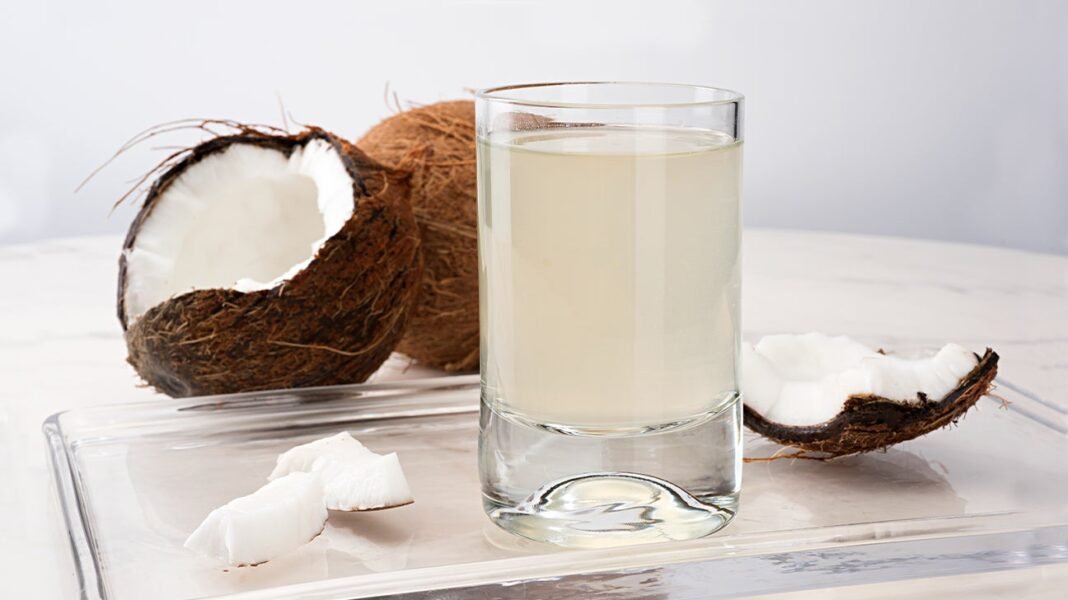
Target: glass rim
{"points": [[499, 94]]}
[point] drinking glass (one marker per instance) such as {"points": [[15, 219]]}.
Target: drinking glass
{"points": [[609, 230]]}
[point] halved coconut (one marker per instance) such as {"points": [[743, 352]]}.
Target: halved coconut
{"points": [[836, 396], [354, 478], [275, 519], [268, 261]]}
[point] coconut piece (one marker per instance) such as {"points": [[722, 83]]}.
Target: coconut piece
{"points": [[302, 458], [837, 396], [436, 144], [355, 479], [275, 519], [372, 483], [265, 261]]}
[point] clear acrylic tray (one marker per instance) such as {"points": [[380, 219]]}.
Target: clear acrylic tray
{"points": [[135, 479]]}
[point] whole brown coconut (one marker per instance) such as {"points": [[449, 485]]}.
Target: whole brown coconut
{"points": [[869, 422], [333, 321], [436, 144]]}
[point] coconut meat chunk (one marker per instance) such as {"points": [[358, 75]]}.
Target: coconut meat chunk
{"points": [[801, 380], [247, 217], [354, 477], [302, 458], [279, 517], [371, 483]]}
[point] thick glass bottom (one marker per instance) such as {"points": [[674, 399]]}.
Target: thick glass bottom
{"points": [[595, 491]]}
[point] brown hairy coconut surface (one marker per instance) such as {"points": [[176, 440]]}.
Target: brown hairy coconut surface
{"points": [[333, 322], [436, 144], [869, 422]]}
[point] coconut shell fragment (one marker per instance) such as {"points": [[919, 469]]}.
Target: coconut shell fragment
{"points": [[436, 144], [335, 321], [868, 422]]}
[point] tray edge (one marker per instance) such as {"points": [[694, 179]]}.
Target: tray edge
{"points": [[79, 533]]}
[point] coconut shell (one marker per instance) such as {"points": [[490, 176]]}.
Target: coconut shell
{"points": [[436, 144], [869, 422], [334, 322]]}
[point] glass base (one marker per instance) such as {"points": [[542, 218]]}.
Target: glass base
{"points": [[594, 491], [608, 509]]}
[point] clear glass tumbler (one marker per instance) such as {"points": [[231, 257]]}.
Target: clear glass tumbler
{"points": [[609, 230]]}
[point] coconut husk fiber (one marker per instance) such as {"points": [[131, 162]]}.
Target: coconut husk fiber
{"points": [[334, 322], [869, 422], [436, 145]]}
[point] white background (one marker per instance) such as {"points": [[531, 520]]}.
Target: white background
{"points": [[945, 120]]}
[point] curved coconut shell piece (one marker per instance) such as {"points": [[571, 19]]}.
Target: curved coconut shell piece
{"points": [[869, 422], [436, 144], [334, 322]]}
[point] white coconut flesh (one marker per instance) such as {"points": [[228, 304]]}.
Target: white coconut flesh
{"points": [[245, 218], [272, 521], [354, 478], [803, 380]]}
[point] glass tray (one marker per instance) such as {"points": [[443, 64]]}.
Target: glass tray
{"points": [[135, 479]]}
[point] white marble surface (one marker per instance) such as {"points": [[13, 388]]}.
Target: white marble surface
{"points": [[61, 347]]}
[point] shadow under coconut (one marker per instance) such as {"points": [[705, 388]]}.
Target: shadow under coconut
{"points": [[374, 540], [880, 486]]}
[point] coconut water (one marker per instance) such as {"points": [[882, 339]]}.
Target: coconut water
{"points": [[609, 276]]}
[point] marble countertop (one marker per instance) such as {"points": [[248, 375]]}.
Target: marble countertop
{"points": [[61, 347]]}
